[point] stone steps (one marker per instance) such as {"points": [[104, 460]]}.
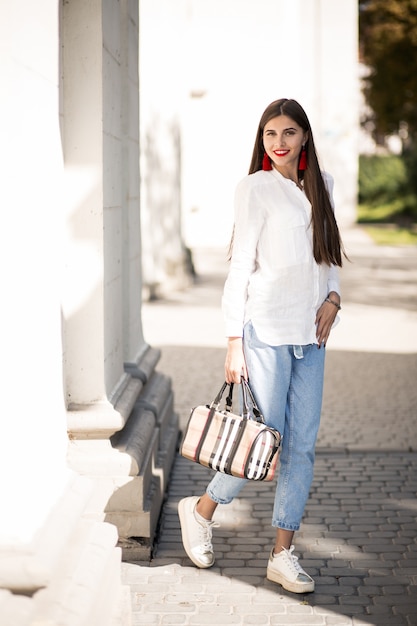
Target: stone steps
{"points": [[83, 567], [131, 468]]}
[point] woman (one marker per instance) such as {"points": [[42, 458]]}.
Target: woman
{"points": [[280, 301]]}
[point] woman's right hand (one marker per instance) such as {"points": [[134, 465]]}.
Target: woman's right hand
{"points": [[235, 365]]}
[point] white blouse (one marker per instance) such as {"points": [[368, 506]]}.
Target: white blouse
{"points": [[273, 279]]}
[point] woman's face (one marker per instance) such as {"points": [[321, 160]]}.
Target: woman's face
{"points": [[283, 139]]}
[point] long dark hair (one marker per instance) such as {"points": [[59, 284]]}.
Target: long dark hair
{"points": [[327, 245]]}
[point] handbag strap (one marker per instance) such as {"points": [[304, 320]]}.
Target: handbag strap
{"points": [[246, 392], [217, 399], [255, 409]]}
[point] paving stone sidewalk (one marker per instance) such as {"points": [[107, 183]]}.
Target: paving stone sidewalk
{"points": [[359, 534]]}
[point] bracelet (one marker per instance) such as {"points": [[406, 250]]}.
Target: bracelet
{"points": [[336, 304]]}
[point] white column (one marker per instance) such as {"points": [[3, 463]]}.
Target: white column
{"points": [[33, 442], [83, 286], [94, 59], [121, 423], [329, 79]]}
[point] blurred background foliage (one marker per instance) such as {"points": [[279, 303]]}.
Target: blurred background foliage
{"points": [[388, 52]]}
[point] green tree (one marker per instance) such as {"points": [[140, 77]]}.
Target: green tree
{"points": [[388, 46]]}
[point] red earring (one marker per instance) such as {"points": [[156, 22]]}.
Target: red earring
{"points": [[266, 163], [302, 165]]}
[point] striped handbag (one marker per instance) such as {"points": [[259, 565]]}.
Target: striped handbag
{"points": [[240, 445]]}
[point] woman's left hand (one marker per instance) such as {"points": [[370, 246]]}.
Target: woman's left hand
{"points": [[325, 318]]}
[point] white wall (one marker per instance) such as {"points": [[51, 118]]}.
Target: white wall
{"points": [[34, 440], [163, 84]]}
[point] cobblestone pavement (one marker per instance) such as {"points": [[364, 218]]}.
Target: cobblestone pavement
{"points": [[359, 534]]}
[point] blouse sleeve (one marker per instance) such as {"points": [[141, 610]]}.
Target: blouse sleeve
{"points": [[333, 281], [248, 223]]}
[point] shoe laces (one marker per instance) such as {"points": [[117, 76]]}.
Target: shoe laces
{"points": [[205, 531], [292, 560]]}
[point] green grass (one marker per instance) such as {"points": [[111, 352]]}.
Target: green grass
{"points": [[387, 206], [390, 212], [392, 235], [391, 224]]}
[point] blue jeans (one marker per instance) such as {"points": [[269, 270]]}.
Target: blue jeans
{"points": [[287, 383]]}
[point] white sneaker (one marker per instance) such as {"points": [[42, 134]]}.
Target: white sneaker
{"points": [[196, 533], [285, 570]]}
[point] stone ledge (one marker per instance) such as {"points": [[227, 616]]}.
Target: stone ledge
{"points": [[71, 574], [28, 568], [102, 419], [144, 365]]}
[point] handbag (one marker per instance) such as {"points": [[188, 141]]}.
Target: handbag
{"points": [[240, 445]]}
